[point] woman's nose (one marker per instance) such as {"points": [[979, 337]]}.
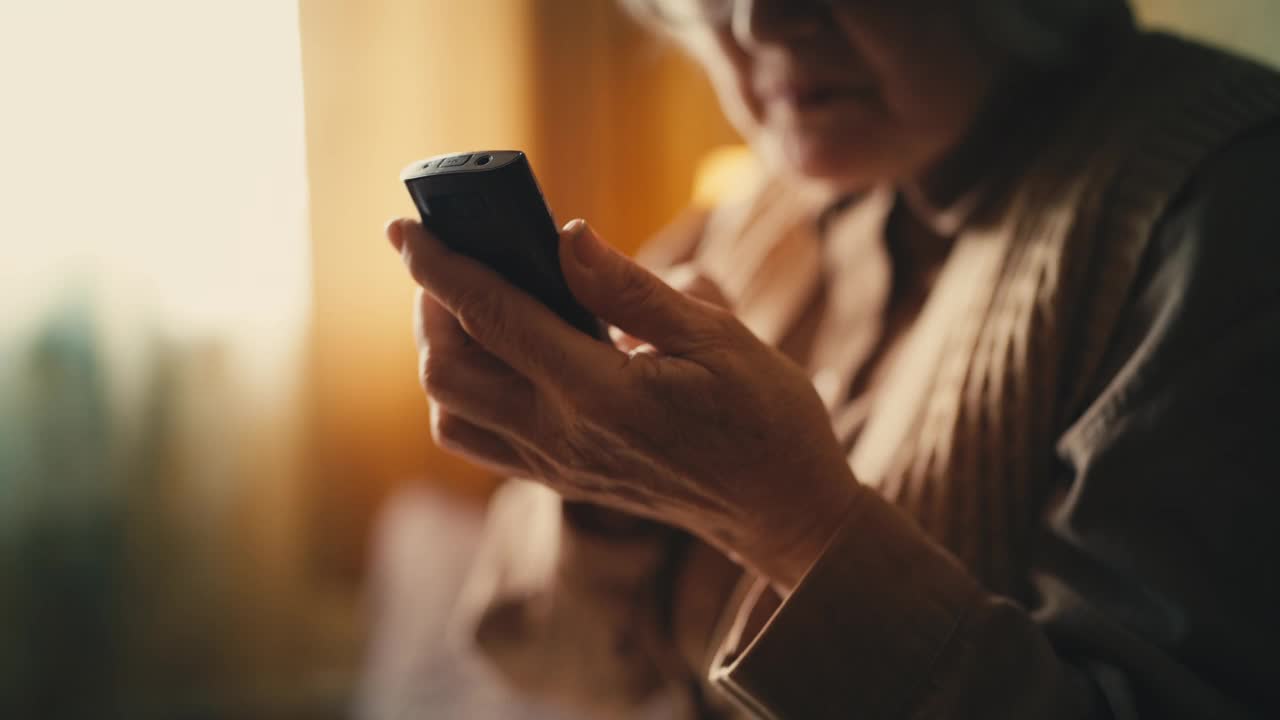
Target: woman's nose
{"points": [[757, 23]]}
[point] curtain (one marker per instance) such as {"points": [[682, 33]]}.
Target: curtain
{"points": [[155, 289]]}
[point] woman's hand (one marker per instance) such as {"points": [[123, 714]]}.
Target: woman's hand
{"points": [[700, 426]]}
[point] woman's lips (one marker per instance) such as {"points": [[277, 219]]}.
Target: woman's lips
{"points": [[804, 97]]}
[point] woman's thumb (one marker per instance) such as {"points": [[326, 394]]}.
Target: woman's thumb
{"points": [[623, 294]]}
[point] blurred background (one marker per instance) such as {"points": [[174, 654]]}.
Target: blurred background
{"points": [[217, 487]]}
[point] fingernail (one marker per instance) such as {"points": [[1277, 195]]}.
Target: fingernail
{"points": [[586, 249], [395, 233]]}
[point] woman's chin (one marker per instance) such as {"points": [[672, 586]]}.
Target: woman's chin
{"points": [[835, 163]]}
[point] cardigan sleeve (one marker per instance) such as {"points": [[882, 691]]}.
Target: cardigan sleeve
{"points": [[1156, 582]]}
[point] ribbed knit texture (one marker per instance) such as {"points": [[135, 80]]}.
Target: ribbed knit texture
{"points": [[1060, 263]]}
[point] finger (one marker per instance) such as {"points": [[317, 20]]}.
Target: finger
{"points": [[633, 299], [690, 280], [519, 330], [458, 372], [458, 435], [394, 233], [686, 278], [436, 327]]}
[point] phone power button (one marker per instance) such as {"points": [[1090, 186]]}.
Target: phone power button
{"points": [[455, 161]]}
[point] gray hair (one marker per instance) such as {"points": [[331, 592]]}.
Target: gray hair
{"points": [[1038, 32]]}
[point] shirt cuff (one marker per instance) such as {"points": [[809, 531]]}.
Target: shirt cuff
{"points": [[859, 634]]}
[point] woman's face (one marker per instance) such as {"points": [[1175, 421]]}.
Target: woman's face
{"points": [[849, 92]]}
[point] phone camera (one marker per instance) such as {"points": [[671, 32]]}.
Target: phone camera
{"points": [[484, 159]]}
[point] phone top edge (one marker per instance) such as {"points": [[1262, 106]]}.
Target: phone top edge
{"points": [[465, 162]]}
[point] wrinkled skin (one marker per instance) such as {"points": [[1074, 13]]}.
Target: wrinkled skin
{"points": [[691, 420], [859, 93], [701, 425]]}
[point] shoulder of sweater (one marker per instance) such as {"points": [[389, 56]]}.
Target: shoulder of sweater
{"points": [[1210, 275], [1198, 158], [1213, 263], [1220, 232]]}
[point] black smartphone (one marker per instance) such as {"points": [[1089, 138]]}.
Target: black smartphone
{"points": [[487, 205]]}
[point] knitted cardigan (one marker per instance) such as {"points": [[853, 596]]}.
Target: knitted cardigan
{"points": [[1008, 351], [1034, 298]]}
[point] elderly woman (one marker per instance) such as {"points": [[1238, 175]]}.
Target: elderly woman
{"points": [[971, 415]]}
